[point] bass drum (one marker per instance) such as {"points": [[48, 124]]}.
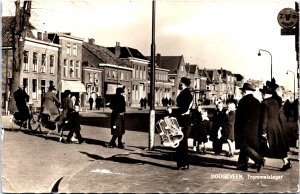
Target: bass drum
{"points": [[169, 131]]}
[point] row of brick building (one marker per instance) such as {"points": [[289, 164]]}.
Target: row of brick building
{"points": [[91, 70]]}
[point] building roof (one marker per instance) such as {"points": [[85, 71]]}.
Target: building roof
{"points": [[127, 52], [192, 69], [103, 54], [7, 27], [171, 63], [212, 75]]}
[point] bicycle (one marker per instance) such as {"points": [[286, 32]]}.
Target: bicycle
{"points": [[31, 123]]}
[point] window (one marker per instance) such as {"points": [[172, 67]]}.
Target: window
{"points": [[75, 49], [145, 72], [90, 77], [77, 73], [108, 74], [65, 67], [114, 75], [133, 73], [51, 64], [136, 72], [40, 36], [43, 64], [25, 61], [25, 84], [34, 89], [43, 87], [96, 79], [68, 49], [141, 73], [122, 75], [51, 83], [35, 62], [181, 68], [71, 68]]}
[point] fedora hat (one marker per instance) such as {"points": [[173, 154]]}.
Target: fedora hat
{"points": [[266, 90], [50, 88], [272, 84], [248, 86]]}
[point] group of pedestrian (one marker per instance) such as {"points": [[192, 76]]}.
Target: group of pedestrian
{"points": [[143, 103], [290, 109], [166, 102], [249, 125]]}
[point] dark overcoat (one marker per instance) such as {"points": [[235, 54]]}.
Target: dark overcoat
{"points": [[183, 101], [118, 106], [246, 127], [228, 130], [21, 99], [271, 124], [67, 106], [218, 121], [49, 106]]}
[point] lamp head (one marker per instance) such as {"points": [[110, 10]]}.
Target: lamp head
{"points": [[287, 72], [258, 53]]}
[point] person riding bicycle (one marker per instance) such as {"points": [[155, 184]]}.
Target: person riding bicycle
{"points": [[50, 104], [21, 99]]}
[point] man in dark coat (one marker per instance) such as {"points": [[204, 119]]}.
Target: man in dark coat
{"points": [[272, 128], [247, 129], [118, 106], [217, 127], [21, 98], [184, 103], [273, 86], [91, 101]]}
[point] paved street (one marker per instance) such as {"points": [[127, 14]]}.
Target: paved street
{"points": [[32, 164]]}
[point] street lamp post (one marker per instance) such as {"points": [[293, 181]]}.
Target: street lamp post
{"points": [[294, 81], [270, 55]]}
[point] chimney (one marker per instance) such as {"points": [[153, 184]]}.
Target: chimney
{"points": [[92, 41], [158, 59], [117, 49]]}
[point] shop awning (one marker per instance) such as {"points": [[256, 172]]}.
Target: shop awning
{"points": [[74, 86]]}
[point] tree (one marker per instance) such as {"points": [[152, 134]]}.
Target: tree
{"points": [[21, 23]]}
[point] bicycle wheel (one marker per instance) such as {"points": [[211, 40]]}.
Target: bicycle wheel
{"points": [[34, 122]]}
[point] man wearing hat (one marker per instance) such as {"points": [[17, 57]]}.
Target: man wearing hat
{"points": [[118, 106], [273, 86], [50, 103], [246, 129], [272, 129]]}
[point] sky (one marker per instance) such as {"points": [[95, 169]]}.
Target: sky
{"points": [[210, 33]]}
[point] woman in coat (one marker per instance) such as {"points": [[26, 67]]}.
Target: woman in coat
{"points": [[217, 127], [228, 131], [50, 104], [272, 129]]}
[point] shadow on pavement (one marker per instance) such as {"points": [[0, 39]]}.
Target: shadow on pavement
{"points": [[166, 155]]}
